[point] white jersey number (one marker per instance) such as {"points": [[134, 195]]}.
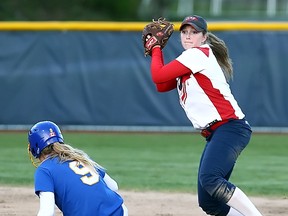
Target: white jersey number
{"points": [[89, 177]]}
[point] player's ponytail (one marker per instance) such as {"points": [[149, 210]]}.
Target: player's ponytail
{"points": [[66, 152], [220, 51]]}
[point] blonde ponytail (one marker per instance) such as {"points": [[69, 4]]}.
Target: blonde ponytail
{"points": [[66, 152]]}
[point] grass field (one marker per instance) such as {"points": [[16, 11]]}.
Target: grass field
{"points": [[159, 162]]}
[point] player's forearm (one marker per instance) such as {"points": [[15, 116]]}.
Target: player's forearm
{"points": [[47, 202]]}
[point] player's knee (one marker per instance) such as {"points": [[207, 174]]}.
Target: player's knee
{"points": [[213, 207], [209, 183], [205, 207], [224, 191], [217, 187]]}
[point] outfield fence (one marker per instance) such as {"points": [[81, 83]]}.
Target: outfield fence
{"points": [[93, 76]]}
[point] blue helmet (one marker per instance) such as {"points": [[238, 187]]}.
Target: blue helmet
{"points": [[43, 134]]}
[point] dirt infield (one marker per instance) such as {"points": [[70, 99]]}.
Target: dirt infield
{"points": [[22, 201]]}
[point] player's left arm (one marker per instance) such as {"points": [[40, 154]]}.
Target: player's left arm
{"points": [[47, 202]]}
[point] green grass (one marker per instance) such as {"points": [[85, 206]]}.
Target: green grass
{"points": [[160, 162]]}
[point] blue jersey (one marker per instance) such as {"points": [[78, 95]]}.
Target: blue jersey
{"points": [[77, 190]]}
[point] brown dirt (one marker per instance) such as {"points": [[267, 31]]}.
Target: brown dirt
{"points": [[22, 201]]}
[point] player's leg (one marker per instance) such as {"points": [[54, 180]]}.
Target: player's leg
{"points": [[209, 204], [243, 204], [233, 212], [213, 206], [236, 137], [239, 201], [218, 160]]}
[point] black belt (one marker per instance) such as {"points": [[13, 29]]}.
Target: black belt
{"points": [[212, 127]]}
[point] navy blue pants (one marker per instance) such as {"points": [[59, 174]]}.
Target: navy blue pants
{"points": [[217, 162]]}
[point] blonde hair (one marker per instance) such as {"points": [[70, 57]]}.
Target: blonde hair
{"points": [[220, 51], [66, 152]]}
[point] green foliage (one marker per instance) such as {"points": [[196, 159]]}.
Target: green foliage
{"points": [[132, 10], [68, 10], [160, 162]]}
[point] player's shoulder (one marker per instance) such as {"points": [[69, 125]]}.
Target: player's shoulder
{"points": [[196, 55], [199, 51], [49, 162]]}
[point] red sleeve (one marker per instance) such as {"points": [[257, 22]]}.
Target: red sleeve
{"points": [[166, 86], [163, 73]]}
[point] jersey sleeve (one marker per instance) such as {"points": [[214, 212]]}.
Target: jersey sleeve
{"points": [[43, 181], [47, 201], [164, 75], [111, 183], [194, 59], [101, 172], [166, 86]]}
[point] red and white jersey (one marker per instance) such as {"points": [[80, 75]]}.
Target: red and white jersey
{"points": [[204, 94]]}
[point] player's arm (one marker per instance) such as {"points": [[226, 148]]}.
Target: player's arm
{"points": [[47, 202], [166, 86], [111, 183], [166, 74]]}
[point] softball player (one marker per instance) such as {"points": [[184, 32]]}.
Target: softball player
{"points": [[201, 74], [68, 178]]}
